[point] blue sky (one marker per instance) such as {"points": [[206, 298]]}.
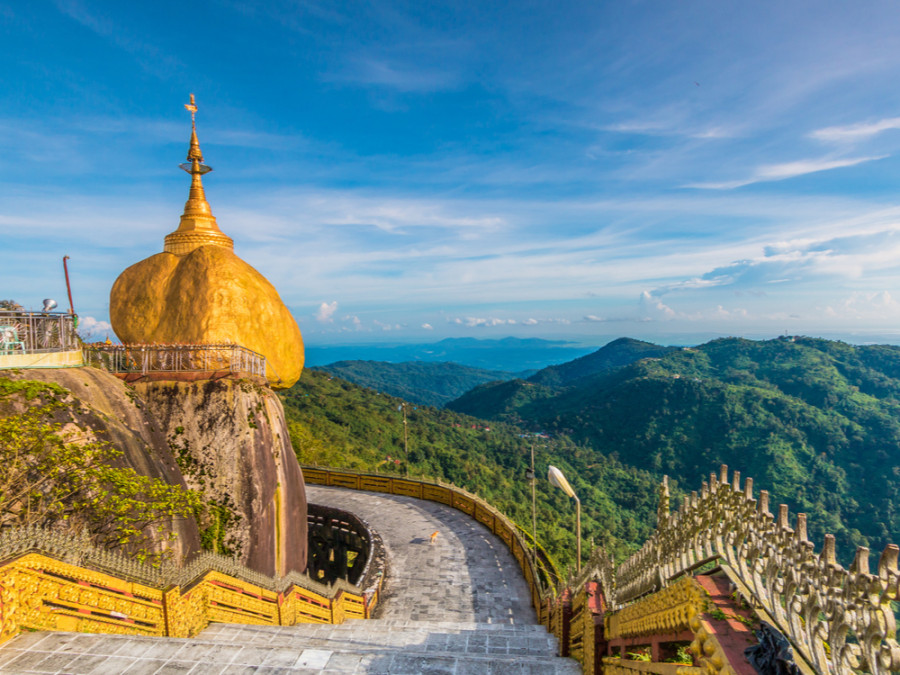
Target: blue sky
{"points": [[413, 171]]}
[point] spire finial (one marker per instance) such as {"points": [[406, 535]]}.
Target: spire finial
{"points": [[198, 226], [192, 108], [194, 155]]}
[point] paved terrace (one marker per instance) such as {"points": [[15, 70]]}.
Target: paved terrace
{"points": [[458, 606]]}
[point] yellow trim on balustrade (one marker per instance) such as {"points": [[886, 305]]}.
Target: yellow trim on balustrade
{"points": [[38, 592]]}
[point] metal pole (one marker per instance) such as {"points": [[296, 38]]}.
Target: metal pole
{"points": [[578, 528], [68, 285], [533, 505], [405, 439]]}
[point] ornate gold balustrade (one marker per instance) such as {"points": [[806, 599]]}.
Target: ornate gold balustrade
{"points": [[838, 620], [53, 582]]}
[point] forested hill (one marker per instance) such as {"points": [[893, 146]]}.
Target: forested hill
{"points": [[616, 354], [422, 382], [815, 422], [335, 423]]}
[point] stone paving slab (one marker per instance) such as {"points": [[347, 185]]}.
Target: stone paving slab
{"points": [[69, 653], [362, 637]]}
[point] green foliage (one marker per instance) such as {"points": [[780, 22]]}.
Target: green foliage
{"points": [[425, 383], [214, 520], [815, 422], [335, 423], [56, 474]]}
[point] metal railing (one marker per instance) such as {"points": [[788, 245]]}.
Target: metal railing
{"points": [[147, 359], [23, 332]]}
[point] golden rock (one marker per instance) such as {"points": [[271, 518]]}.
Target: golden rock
{"points": [[197, 291]]}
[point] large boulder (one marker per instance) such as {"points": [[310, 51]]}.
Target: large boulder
{"points": [[207, 296], [231, 441]]}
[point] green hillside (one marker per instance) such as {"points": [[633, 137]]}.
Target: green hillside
{"points": [[336, 423], [815, 422], [616, 354], [425, 383]]}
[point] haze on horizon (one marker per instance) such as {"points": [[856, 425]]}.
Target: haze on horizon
{"points": [[407, 172]]}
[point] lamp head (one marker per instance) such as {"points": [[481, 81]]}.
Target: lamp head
{"points": [[49, 304], [556, 477]]}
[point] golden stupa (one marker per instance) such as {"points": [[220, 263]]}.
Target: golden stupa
{"points": [[197, 291]]}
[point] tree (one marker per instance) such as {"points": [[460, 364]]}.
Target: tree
{"points": [[58, 476]]}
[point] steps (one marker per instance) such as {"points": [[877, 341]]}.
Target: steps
{"points": [[375, 646]]}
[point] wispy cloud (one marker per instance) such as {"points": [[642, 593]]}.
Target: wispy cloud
{"points": [[404, 77], [855, 132], [151, 58], [776, 172]]}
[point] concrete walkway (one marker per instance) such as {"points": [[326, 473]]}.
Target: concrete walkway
{"points": [[458, 606]]}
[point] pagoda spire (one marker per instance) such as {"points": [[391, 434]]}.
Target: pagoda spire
{"points": [[198, 225]]}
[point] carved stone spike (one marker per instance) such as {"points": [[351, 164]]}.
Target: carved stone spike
{"points": [[800, 532], [827, 556], [783, 522], [713, 482], [723, 474], [748, 488], [860, 563], [736, 481], [763, 502], [888, 561]]}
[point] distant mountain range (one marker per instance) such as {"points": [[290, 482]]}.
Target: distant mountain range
{"points": [[419, 382], [508, 354], [814, 421]]}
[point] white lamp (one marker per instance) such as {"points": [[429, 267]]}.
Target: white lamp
{"points": [[556, 477]]}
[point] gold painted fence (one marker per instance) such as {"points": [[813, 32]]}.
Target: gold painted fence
{"points": [[41, 590]]}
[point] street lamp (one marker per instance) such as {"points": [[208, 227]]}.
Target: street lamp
{"points": [[557, 478], [402, 407], [529, 474]]}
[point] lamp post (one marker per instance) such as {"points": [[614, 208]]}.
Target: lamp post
{"points": [[529, 474], [557, 478], [402, 407]]}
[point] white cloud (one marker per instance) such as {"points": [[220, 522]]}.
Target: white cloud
{"points": [[357, 324], [530, 322], [92, 329], [326, 312], [474, 321], [427, 326], [776, 172], [387, 326], [655, 308], [855, 132]]}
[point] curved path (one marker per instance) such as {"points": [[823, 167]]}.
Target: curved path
{"points": [[459, 606], [466, 575]]}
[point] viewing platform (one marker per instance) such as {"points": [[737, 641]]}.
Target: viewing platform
{"points": [[186, 363], [38, 340]]}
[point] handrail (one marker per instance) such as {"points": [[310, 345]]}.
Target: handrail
{"points": [[145, 359], [38, 332], [841, 621]]}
